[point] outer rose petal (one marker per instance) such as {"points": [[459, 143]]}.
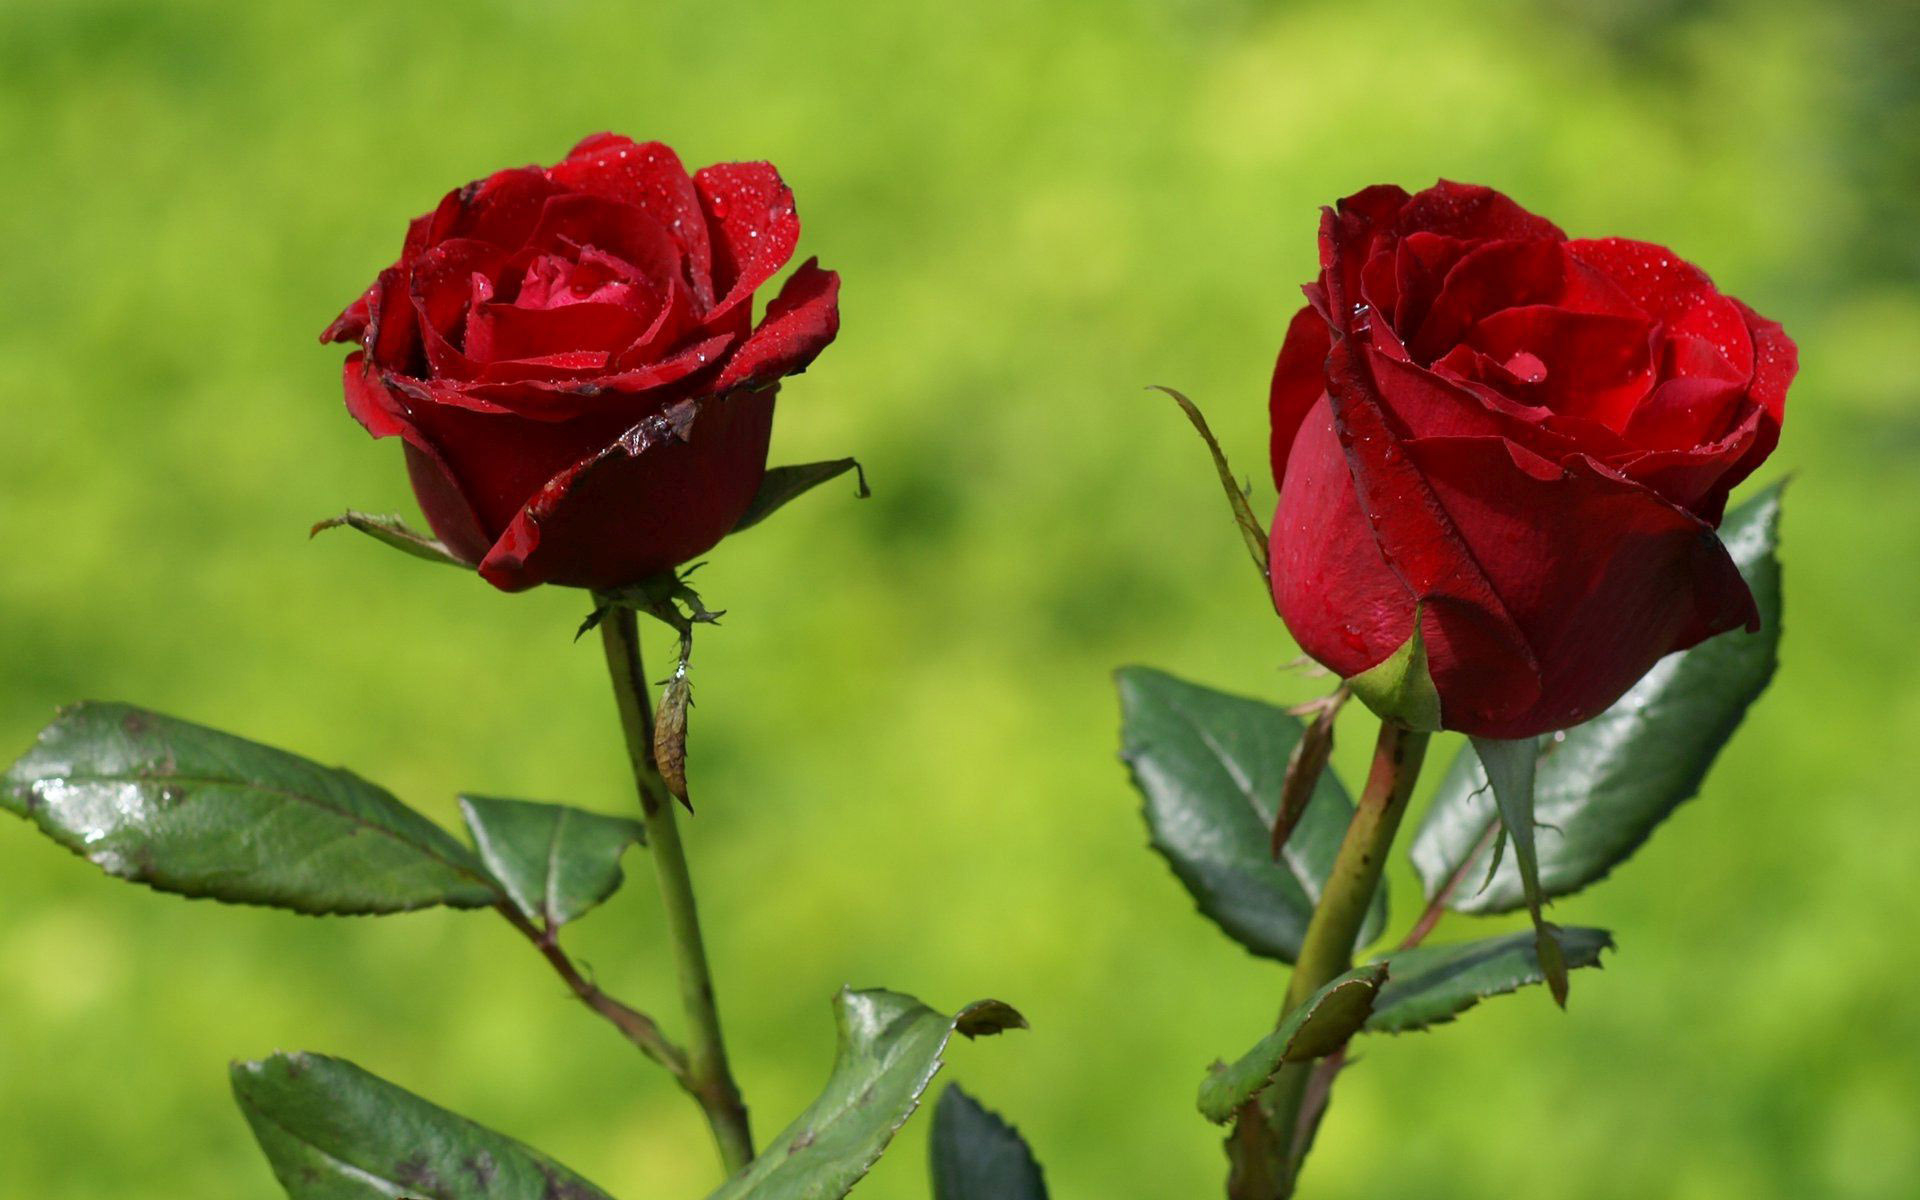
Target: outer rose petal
{"points": [[1604, 577], [799, 323], [1299, 382], [1413, 531], [645, 504], [445, 507]]}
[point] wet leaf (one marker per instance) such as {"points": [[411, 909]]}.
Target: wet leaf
{"points": [[1314, 1030], [889, 1050], [1603, 787], [1431, 985], [977, 1156], [555, 862], [393, 531], [187, 809], [1209, 767], [782, 485], [334, 1132]]}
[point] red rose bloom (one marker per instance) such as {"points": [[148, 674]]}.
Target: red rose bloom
{"points": [[570, 356], [1530, 439]]}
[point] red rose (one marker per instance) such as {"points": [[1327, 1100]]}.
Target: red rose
{"points": [[1531, 439], [570, 356]]}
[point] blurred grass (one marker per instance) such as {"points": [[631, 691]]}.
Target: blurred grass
{"points": [[904, 748]]}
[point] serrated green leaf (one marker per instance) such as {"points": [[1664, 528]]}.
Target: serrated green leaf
{"points": [[335, 1132], [1209, 767], [391, 530], [782, 485], [977, 1156], [1431, 985], [1314, 1030], [555, 862], [187, 809], [1603, 787], [889, 1050]]}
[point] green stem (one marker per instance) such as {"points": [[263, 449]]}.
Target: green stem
{"points": [[711, 1079], [1273, 1132]]}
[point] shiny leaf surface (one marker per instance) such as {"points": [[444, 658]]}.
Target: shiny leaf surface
{"points": [[1431, 985], [1603, 787], [1209, 767], [889, 1050], [555, 862], [187, 809], [334, 1132], [977, 1156]]}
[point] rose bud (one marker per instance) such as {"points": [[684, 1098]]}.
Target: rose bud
{"points": [[570, 357], [1526, 440]]}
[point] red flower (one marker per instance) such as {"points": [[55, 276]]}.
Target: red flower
{"points": [[1530, 438], [570, 356]]}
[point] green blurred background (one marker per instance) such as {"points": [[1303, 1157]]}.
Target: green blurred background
{"points": [[905, 743]]}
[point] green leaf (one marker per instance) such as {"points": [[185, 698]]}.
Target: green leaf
{"points": [[1509, 767], [890, 1047], [1250, 529], [1209, 767], [334, 1132], [555, 862], [782, 485], [1603, 787], [1431, 985], [1314, 1030], [1399, 687], [390, 529], [978, 1156], [187, 809]]}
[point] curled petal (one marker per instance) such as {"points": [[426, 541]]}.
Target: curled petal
{"points": [[799, 324]]}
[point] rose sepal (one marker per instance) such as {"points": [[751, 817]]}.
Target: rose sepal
{"points": [[1400, 686]]}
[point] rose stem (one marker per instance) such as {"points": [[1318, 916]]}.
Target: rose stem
{"points": [[1269, 1141], [711, 1080]]}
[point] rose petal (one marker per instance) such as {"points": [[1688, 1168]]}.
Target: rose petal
{"points": [[1299, 381], [1471, 213], [1602, 575], [503, 209], [445, 507], [517, 333], [754, 226], [799, 324], [1674, 292], [1599, 366], [1489, 277], [1413, 531], [651, 176], [570, 223], [663, 493]]}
